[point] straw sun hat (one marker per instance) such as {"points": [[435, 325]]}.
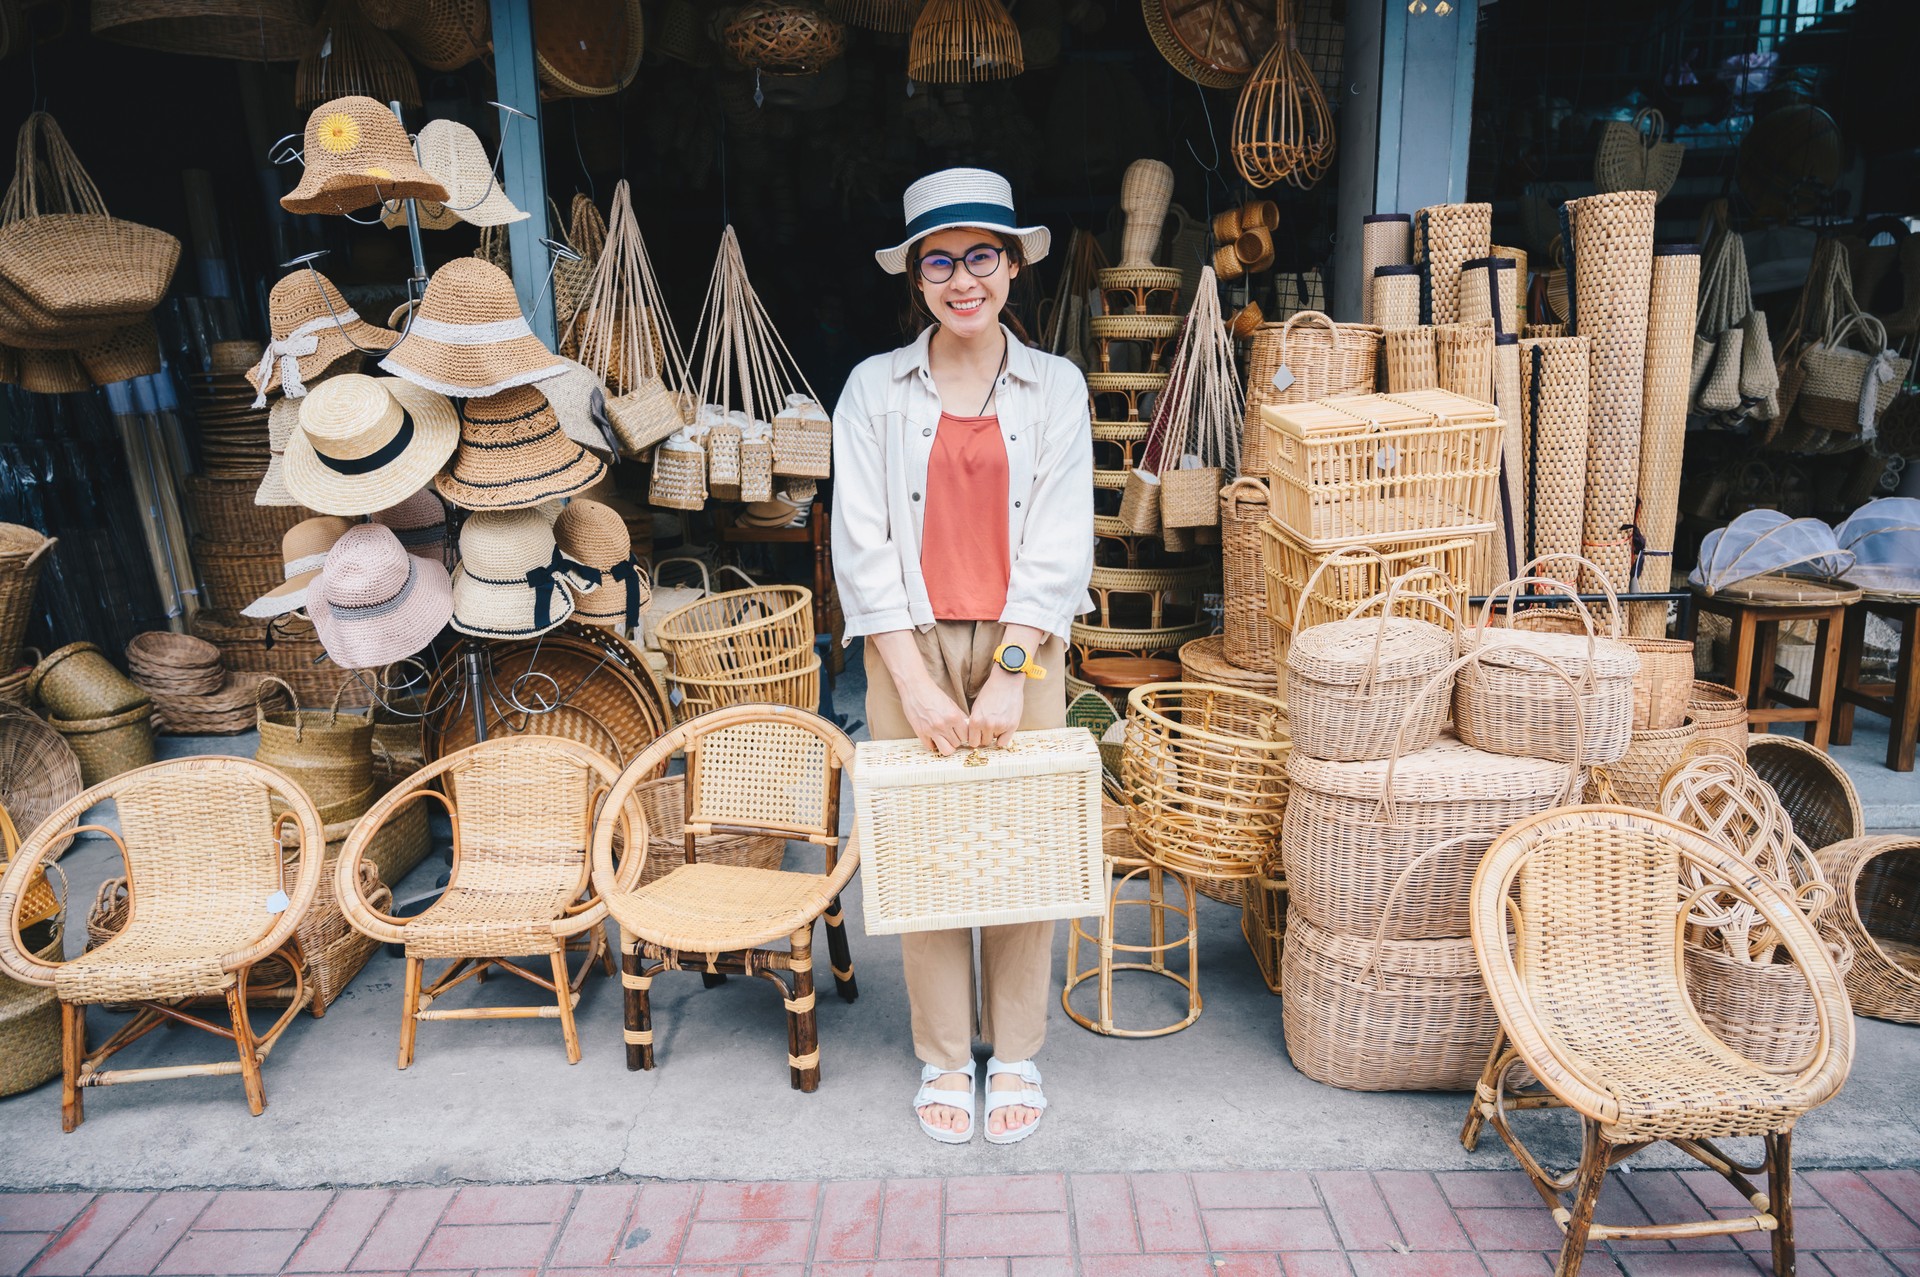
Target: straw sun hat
{"points": [[511, 582], [453, 153], [357, 154], [595, 541], [962, 197], [366, 443], [572, 394], [303, 549], [373, 603], [313, 328], [513, 454], [421, 524], [468, 337]]}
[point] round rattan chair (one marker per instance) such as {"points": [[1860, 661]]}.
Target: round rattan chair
{"points": [[1577, 918], [209, 896], [751, 769]]}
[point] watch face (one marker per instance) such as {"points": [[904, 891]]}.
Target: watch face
{"points": [[1013, 657]]}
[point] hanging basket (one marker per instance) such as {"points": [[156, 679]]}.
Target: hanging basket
{"points": [[587, 48], [1283, 128], [783, 37], [964, 42]]}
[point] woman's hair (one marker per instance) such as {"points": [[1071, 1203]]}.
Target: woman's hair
{"points": [[917, 317]]}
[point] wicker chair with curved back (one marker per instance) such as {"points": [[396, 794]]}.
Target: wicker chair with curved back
{"points": [[751, 769], [1577, 924], [210, 894], [522, 810]]}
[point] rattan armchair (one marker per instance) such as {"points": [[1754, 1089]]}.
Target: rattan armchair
{"points": [[751, 769], [210, 893], [1579, 917], [522, 810]]}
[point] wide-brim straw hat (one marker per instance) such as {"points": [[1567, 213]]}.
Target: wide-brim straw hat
{"points": [[303, 550], [572, 395], [468, 337], [357, 154], [513, 455], [962, 197], [511, 582], [373, 603], [313, 329], [421, 524], [454, 154], [594, 539], [366, 443]]}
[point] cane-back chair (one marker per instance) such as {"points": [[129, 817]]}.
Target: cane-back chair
{"points": [[522, 811], [1579, 921], [211, 891], [751, 769]]}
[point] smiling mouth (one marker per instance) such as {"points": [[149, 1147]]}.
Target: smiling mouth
{"points": [[968, 305]]}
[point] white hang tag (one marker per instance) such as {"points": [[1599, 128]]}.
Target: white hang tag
{"points": [[277, 902], [1190, 461], [1282, 377], [1387, 458]]}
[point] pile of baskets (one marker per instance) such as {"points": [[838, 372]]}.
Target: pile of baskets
{"points": [[740, 646], [106, 718], [193, 693], [287, 648]]}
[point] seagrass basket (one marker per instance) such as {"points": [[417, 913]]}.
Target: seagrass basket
{"points": [[762, 630], [1878, 915], [1636, 777], [1720, 713], [1243, 512], [79, 682], [174, 664], [1817, 793], [328, 752], [30, 1016], [1204, 769], [111, 744], [23, 553]]}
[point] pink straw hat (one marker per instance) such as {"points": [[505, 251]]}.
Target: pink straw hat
{"points": [[373, 603]]}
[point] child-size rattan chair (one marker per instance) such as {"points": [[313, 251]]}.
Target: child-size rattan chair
{"points": [[751, 769], [1578, 918], [522, 810], [209, 894]]}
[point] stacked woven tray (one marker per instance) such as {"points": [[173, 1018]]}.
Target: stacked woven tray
{"points": [[193, 693]]}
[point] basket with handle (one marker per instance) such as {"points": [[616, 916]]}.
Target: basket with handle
{"points": [[761, 630], [1304, 357], [1249, 638], [1636, 156], [1352, 684], [329, 752], [23, 554], [1193, 445]]}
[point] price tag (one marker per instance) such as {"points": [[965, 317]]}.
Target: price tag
{"points": [[1282, 377], [1387, 458], [277, 902]]}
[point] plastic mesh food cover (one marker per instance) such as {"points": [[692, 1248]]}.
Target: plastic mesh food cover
{"points": [[1763, 541], [1884, 537]]}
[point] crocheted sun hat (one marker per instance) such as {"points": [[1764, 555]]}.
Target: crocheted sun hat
{"points": [[511, 582], [366, 443], [373, 603], [421, 524], [454, 155], [313, 328], [468, 337], [513, 454], [595, 541], [357, 154]]}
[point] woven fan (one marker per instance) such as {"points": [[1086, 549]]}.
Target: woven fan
{"points": [[1283, 130], [623, 331], [961, 41], [350, 56], [743, 363], [892, 16]]}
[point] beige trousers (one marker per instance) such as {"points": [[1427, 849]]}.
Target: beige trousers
{"points": [[1016, 962]]}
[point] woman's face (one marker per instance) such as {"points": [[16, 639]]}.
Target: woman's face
{"points": [[965, 303]]}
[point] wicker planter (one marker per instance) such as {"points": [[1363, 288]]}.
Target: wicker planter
{"points": [[108, 746], [1720, 714], [1878, 883]]}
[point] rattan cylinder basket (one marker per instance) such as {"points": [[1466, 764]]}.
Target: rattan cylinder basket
{"points": [[111, 744], [1877, 881], [1204, 660], [1635, 778], [1817, 793], [1355, 687], [1204, 769], [1720, 714], [1249, 638], [1392, 1015], [760, 631]]}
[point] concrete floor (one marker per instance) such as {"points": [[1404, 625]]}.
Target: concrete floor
{"points": [[497, 1102]]}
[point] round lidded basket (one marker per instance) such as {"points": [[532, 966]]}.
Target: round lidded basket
{"points": [[1819, 796], [1719, 713], [761, 631], [1878, 882], [78, 682], [1353, 685], [1204, 769], [110, 744], [1204, 660]]}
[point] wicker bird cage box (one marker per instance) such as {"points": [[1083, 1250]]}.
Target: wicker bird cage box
{"points": [[983, 837]]}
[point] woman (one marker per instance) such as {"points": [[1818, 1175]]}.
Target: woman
{"points": [[962, 544]]}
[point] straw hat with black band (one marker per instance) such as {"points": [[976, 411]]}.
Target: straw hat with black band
{"points": [[953, 197], [313, 329], [513, 454], [512, 581], [594, 540], [356, 154], [366, 443], [303, 549], [373, 603], [468, 337]]}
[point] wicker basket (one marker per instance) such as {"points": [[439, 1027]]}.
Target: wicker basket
{"points": [[1204, 660], [1383, 467], [110, 745], [1719, 713], [38, 771], [224, 512], [1664, 684], [1817, 793], [79, 682], [1263, 920], [803, 441], [1878, 880], [328, 752], [1321, 359], [1411, 361], [763, 630], [30, 1018], [692, 695], [174, 664], [1391, 1015], [991, 837], [1204, 768], [679, 480], [1764, 1011], [1635, 779], [664, 801], [1243, 512], [23, 553], [1356, 687], [1309, 587], [235, 574]]}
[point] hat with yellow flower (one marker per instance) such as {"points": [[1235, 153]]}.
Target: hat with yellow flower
{"points": [[357, 154]]}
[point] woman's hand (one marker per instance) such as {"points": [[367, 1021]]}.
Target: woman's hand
{"points": [[997, 710], [935, 719]]}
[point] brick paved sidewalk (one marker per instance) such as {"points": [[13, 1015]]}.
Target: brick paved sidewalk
{"points": [[1224, 1224]]}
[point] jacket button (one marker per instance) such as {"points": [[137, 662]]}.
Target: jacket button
{"points": [[1016, 505], [916, 496], [1013, 438], [927, 431]]}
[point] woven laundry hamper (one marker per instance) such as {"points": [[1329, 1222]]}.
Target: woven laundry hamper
{"points": [[1444, 237], [981, 838], [1356, 687], [1410, 359], [1877, 880]]}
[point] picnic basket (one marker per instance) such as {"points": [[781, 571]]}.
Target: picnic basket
{"points": [[1304, 357], [1352, 684]]}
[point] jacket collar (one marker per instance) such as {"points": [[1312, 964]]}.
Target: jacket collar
{"points": [[1022, 363]]}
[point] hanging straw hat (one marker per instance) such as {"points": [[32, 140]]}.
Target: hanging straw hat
{"points": [[579, 400], [364, 443], [598, 548], [511, 582], [962, 197], [357, 154], [454, 154], [313, 328], [421, 524], [513, 454], [442, 35], [468, 337], [373, 603], [303, 548]]}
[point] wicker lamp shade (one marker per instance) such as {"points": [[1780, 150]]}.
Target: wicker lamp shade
{"points": [[780, 37], [1283, 129], [244, 30], [963, 41], [348, 56], [442, 35], [586, 48]]}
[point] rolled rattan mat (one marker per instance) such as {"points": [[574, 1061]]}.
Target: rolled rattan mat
{"points": [[1663, 430], [1445, 236], [1386, 239], [1506, 398], [1553, 388]]}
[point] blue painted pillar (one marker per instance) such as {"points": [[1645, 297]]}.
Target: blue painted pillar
{"points": [[1405, 121], [523, 165]]}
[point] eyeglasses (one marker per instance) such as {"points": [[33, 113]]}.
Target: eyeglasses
{"points": [[982, 260]]}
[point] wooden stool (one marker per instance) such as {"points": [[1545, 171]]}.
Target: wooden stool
{"points": [[1155, 950], [1899, 700], [1756, 608]]}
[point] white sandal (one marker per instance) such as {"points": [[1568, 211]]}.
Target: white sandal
{"points": [[1027, 1098], [931, 1094]]}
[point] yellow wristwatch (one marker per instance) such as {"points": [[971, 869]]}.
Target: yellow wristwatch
{"points": [[1014, 659]]}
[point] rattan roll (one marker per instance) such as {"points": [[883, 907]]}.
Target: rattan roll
{"points": [[1386, 239], [1611, 245], [1664, 685], [1394, 1015], [1720, 713], [1204, 769], [1249, 637], [1445, 236], [1663, 431], [1393, 297], [1513, 428], [1877, 880], [1410, 359], [1517, 280], [1463, 359], [30, 1018], [1321, 357], [1356, 687], [1815, 790], [1553, 389], [109, 745], [38, 770], [79, 682], [664, 802], [1204, 660], [1487, 293], [1635, 778]]}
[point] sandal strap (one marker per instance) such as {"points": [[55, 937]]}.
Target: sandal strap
{"points": [[1015, 1099], [930, 1094], [1025, 1068], [1027, 1098]]}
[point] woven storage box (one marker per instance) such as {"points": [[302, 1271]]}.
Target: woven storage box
{"points": [[1877, 912], [110, 745], [1399, 1015], [1319, 357], [1719, 713], [1383, 467], [1635, 778], [1311, 587], [983, 837], [1263, 920], [1355, 687], [1353, 829], [1243, 512]]}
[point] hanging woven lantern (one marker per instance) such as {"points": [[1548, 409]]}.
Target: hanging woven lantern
{"points": [[783, 37], [1283, 129], [586, 50], [963, 41], [895, 17], [350, 57]]}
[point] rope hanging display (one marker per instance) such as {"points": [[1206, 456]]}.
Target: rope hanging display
{"points": [[1194, 442], [622, 330], [742, 361]]}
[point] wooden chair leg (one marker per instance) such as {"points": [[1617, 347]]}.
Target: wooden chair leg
{"points": [[1826, 653], [839, 955], [410, 1008], [249, 1050], [1586, 1188], [1740, 660], [1487, 1091], [73, 1053], [1904, 731], [604, 945], [1853, 642], [563, 990], [637, 1009], [712, 979], [1780, 1199], [803, 1033], [1766, 652]]}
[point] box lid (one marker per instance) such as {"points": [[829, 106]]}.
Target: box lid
{"points": [[885, 763], [1350, 414]]}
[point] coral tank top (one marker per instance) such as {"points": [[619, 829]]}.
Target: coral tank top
{"points": [[963, 542]]}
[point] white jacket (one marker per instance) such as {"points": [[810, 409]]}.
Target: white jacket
{"points": [[883, 431]]}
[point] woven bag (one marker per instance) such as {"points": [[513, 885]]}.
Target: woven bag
{"points": [[644, 415], [723, 457], [623, 330], [1637, 156], [756, 468], [1305, 357], [679, 480], [1193, 444], [1354, 687], [802, 440], [327, 751]]}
